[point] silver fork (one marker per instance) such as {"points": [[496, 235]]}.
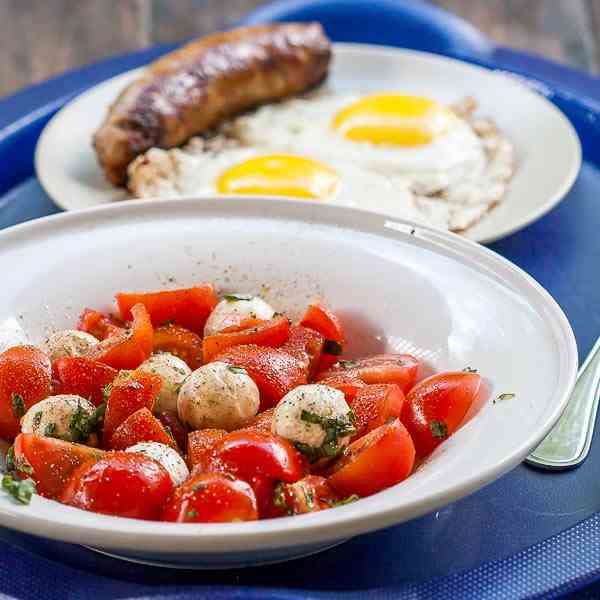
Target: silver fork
{"points": [[568, 444]]}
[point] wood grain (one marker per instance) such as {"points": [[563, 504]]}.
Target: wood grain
{"points": [[39, 39]]}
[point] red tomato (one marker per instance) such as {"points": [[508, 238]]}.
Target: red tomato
{"points": [[262, 422], [129, 349], [375, 405], [310, 494], [127, 397], [141, 426], [260, 459], [99, 325], [181, 342], [186, 307], [321, 319], [348, 383], [123, 484], [275, 372], [172, 424], [374, 462], [25, 378], [306, 345], [51, 461], [82, 376], [237, 322], [200, 445], [211, 498], [436, 406], [400, 369], [271, 333]]}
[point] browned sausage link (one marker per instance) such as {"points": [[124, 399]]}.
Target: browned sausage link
{"points": [[192, 89]]}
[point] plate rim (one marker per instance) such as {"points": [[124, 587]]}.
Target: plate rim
{"points": [[120, 533], [48, 182]]}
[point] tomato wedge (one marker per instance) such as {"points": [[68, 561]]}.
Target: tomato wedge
{"points": [[275, 372], [124, 484], [25, 378], [100, 325], [272, 333], [200, 447], [375, 405], [83, 377], [400, 369], [348, 383], [305, 345], [188, 307], [310, 494], [436, 406], [322, 319], [128, 396], [382, 458], [51, 461], [129, 349], [141, 426], [181, 342], [211, 498], [260, 459]]}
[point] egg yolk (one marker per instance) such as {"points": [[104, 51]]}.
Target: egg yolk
{"points": [[280, 175], [393, 119]]}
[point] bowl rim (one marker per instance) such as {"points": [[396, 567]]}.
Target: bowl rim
{"points": [[346, 521]]}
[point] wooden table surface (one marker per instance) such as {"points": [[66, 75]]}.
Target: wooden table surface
{"points": [[39, 39]]}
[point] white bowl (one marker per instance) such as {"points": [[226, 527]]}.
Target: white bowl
{"points": [[397, 286], [547, 146]]}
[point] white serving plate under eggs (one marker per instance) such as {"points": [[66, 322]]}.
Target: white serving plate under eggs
{"points": [[397, 287], [547, 146]]}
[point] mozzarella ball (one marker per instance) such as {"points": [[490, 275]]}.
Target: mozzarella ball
{"points": [[172, 372], [52, 416], [167, 457], [235, 307], [69, 343], [218, 396], [321, 401]]}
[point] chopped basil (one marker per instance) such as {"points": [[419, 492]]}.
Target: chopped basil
{"points": [[237, 370], [508, 396], [469, 370], [37, 419], [10, 459], [20, 489], [18, 405], [82, 424], [335, 428], [191, 514], [439, 429], [348, 500], [279, 498], [347, 364], [237, 297], [332, 347], [106, 390], [50, 430]]}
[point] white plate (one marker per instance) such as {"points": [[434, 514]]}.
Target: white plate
{"points": [[548, 148], [449, 301]]}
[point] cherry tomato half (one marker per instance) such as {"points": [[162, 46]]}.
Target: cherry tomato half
{"points": [[25, 378], [83, 377], [181, 342], [375, 405], [211, 498], [436, 406], [141, 426], [124, 484], [382, 458], [51, 461]]}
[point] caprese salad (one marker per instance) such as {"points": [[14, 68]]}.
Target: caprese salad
{"points": [[186, 407]]}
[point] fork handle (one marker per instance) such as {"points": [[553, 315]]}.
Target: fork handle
{"points": [[568, 444]]}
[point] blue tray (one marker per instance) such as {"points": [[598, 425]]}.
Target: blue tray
{"points": [[529, 534]]}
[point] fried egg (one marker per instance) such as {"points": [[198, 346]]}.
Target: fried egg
{"points": [[404, 156], [252, 171]]}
